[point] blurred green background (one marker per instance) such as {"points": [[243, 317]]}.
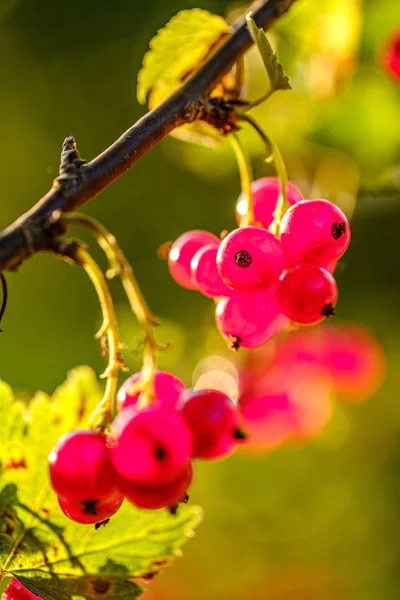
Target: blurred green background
{"points": [[316, 522]]}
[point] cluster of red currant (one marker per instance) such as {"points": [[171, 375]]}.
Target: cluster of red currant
{"points": [[261, 280], [147, 456]]}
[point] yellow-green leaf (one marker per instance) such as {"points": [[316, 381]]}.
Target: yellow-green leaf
{"points": [[178, 48], [277, 77], [52, 556]]}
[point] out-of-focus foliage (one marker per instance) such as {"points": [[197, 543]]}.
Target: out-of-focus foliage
{"points": [[316, 521]]}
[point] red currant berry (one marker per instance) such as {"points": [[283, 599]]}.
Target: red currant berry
{"points": [[391, 56], [265, 194], [16, 591], [158, 497], [266, 419], [307, 295], [152, 447], [182, 252], [167, 390], [250, 259], [249, 320], [314, 232], [91, 511], [80, 467], [214, 421], [205, 272]]}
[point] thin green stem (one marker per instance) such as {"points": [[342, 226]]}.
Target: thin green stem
{"points": [[246, 177], [106, 409], [282, 204], [120, 266]]}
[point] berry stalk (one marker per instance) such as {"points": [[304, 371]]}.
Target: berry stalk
{"points": [[246, 176], [282, 204], [106, 408], [119, 266]]}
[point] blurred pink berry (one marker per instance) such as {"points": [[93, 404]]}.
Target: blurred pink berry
{"points": [[265, 193], [182, 252], [355, 360], [391, 56], [266, 420], [250, 259], [205, 272], [307, 295], [16, 591], [167, 390], [249, 320], [314, 232]]}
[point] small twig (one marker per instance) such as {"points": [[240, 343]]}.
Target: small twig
{"points": [[29, 234]]}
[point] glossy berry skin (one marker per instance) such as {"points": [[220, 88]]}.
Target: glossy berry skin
{"points": [[249, 320], [205, 273], [158, 497], [167, 390], [152, 447], [250, 259], [214, 421], [88, 513], [392, 56], [16, 591], [314, 232], [182, 252], [80, 467], [265, 193], [307, 295]]}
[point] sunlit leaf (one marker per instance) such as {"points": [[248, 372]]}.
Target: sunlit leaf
{"points": [[37, 540]]}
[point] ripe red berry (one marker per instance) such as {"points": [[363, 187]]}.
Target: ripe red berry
{"points": [[307, 295], [265, 194], [314, 232], [161, 496], [205, 272], [214, 421], [167, 390], [391, 56], [266, 419], [250, 259], [152, 447], [16, 591], [91, 511], [249, 320], [80, 467], [182, 252]]}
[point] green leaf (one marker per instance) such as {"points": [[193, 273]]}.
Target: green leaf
{"points": [[277, 77], [52, 556], [177, 49]]}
